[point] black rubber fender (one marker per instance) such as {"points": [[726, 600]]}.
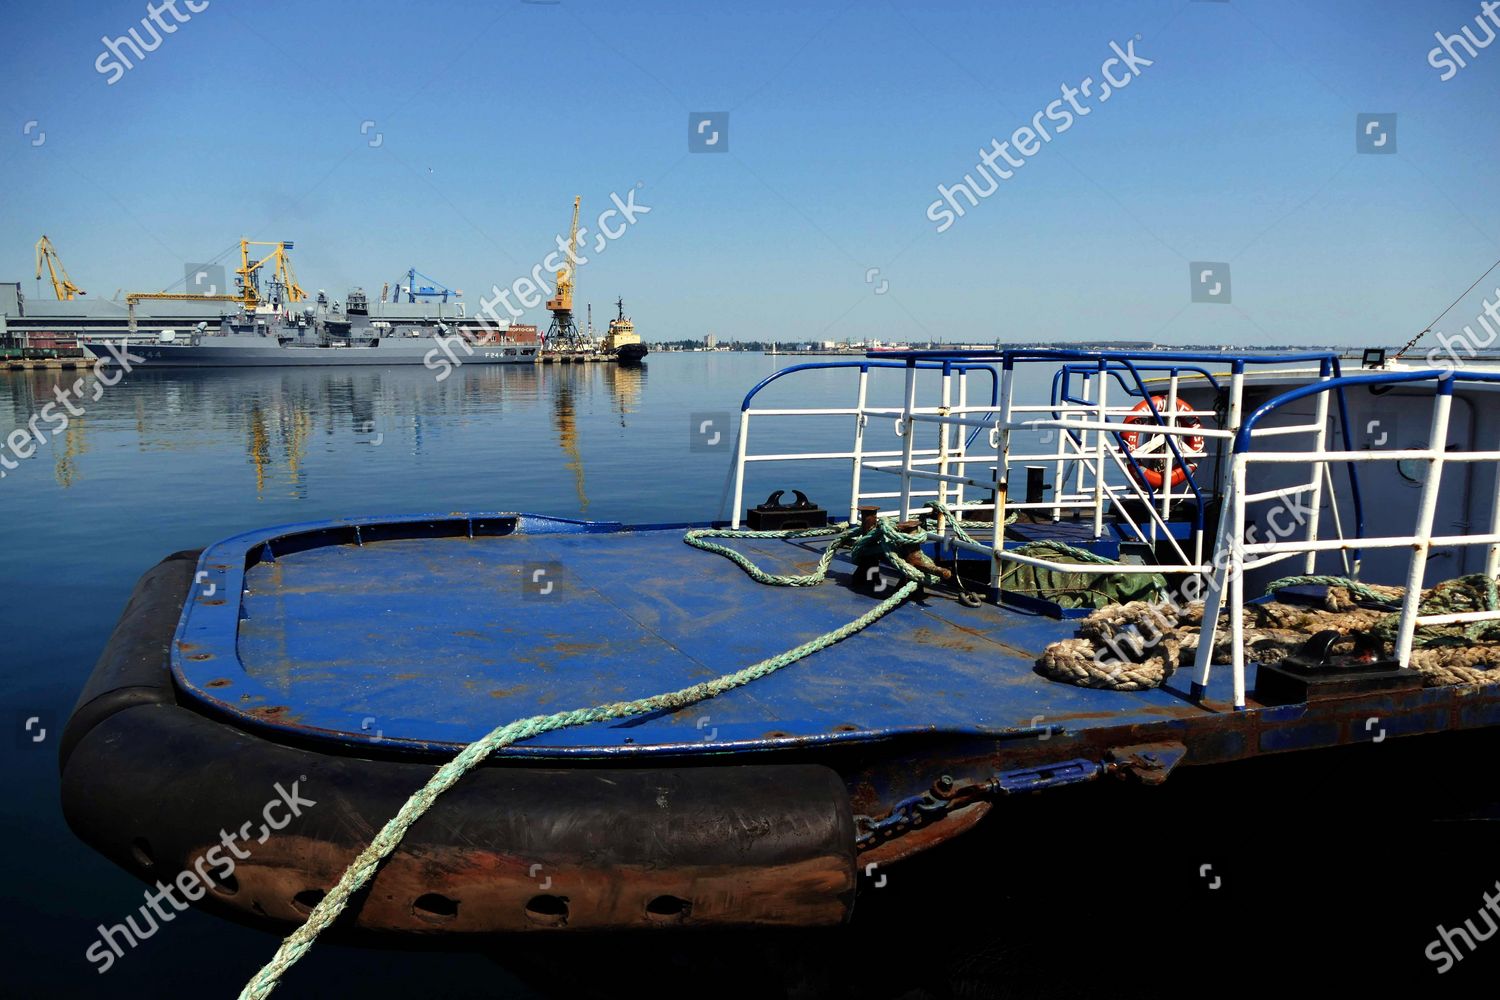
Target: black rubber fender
{"points": [[133, 670]]}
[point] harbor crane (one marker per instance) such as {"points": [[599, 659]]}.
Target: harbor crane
{"points": [[248, 276], [563, 327], [436, 290], [282, 275], [62, 285], [134, 297]]}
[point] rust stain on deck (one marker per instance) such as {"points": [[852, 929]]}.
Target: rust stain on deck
{"points": [[928, 637], [571, 649]]}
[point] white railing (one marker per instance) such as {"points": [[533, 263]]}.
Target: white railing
{"points": [[1140, 461], [954, 385], [1235, 556], [966, 480], [1094, 471]]}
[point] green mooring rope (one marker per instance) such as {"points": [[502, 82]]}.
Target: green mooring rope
{"points": [[1359, 590], [884, 539]]}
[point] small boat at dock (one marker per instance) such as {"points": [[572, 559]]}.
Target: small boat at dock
{"points": [[1171, 564], [620, 339]]}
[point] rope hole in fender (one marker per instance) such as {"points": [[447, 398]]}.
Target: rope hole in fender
{"points": [[434, 908], [666, 909], [547, 911]]}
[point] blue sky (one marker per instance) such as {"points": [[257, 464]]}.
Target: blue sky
{"points": [[1236, 145]]}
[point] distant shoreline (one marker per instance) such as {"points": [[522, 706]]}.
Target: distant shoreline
{"points": [[754, 347]]}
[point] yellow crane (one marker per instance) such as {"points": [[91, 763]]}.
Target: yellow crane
{"points": [[563, 326], [563, 300], [249, 294], [134, 297], [248, 271], [62, 285]]}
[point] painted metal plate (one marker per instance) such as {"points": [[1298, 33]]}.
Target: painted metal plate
{"points": [[430, 631]]}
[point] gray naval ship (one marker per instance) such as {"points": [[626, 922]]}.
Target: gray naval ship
{"points": [[327, 335]]}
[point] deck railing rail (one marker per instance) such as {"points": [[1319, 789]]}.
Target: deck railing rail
{"points": [[954, 387], [1125, 443], [1107, 451], [1098, 398], [1236, 555]]}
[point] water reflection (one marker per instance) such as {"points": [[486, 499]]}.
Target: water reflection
{"points": [[567, 436], [72, 447], [278, 414], [281, 433], [567, 383], [626, 383]]}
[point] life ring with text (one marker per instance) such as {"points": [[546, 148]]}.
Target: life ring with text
{"points": [[1150, 470]]}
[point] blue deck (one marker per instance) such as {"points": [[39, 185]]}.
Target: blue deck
{"points": [[435, 640]]}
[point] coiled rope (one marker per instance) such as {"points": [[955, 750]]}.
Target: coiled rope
{"points": [[1475, 592], [1140, 638], [884, 540], [1137, 645]]}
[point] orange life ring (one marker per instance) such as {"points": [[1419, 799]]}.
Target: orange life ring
{"points": [[1151, 470]]}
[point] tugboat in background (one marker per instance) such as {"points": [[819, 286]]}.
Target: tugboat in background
{"points": [[621, 340]]}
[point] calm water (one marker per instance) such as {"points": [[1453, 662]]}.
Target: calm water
{"points": [[172, 460], [169, 460]]}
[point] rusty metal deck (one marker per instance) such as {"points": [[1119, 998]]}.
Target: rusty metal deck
{"points": [[437, 639], [428, 632]]}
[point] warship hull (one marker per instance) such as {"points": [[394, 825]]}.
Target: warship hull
{"points": [[258, 352]]}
